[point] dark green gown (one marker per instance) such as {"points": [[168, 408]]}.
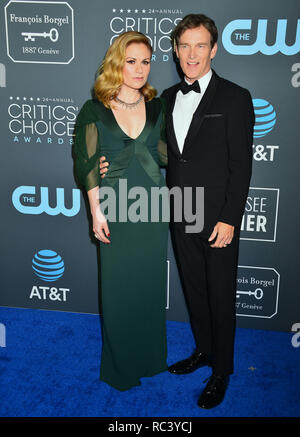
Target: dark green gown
{"points": [[133, 266]]}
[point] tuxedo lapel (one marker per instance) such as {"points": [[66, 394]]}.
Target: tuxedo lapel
{"points": [[169, 123], [200, 112]]}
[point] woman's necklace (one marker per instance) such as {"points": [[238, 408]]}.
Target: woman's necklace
{"points": [[126, 105]]}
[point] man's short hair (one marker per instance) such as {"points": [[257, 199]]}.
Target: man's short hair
{"points": [[192, 21]]}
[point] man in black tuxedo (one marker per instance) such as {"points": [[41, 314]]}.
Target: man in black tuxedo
{"points": [[209, 128]]}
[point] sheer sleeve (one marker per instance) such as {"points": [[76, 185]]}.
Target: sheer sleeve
{"points": [[162, 144], [87, 153]]}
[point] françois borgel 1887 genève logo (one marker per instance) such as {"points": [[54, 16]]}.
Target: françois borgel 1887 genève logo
{"points": [[39, 32]]}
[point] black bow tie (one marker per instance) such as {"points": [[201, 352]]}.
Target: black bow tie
{"points": [[185, 88]]}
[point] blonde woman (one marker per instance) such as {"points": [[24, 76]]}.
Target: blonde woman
{"points": [[124, 123]]}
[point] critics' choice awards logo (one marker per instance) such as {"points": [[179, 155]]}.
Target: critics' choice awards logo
{"points": [[257, 292], [39, 32], [156, 23], [265, 121], [42, 120], [48, 266], [27, 200], [259, 221], [247, 37]]}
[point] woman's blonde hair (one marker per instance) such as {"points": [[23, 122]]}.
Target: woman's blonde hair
{"points": [[110, 77]]}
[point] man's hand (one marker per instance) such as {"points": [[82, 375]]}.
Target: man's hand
{"points": [[103, 166], [224, 234]]}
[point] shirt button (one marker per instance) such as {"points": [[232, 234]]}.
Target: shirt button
{"points": [[182, 160]]}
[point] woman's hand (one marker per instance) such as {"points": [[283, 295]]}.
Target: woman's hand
{"points": [[100, 227]]}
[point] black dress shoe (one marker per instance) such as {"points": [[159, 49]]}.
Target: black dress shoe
{"points": [[189, 365], [214, 392]]}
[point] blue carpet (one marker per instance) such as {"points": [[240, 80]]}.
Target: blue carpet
{"points": [[50, 368]]}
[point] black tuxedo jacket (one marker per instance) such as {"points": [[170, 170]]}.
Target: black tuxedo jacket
{"points": [[217, 153]]}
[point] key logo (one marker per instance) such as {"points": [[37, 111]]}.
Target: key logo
{"points": [[39, 32], [30, 36]]}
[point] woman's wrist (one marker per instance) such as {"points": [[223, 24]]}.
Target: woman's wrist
{"points": [[95, 210]]}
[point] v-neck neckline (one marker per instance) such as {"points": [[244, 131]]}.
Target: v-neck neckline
{"points": [[122, 130]]}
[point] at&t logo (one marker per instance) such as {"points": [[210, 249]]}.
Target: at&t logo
{"points": [[24, 200], [265, 117], [235, 38], [265, 120], [48, 266]]}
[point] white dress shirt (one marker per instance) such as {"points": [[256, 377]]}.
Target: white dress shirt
{"points": [[184, 108]]}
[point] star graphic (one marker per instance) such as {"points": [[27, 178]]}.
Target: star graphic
{"points": [[128, 10], [136, 11], [114, 10], [121, 10], [144, 10]]}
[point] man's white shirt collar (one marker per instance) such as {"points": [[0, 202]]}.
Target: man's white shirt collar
{"points": [[203, 81]]}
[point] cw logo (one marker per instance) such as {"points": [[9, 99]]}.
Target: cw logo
{"points": [[235, 31], [27, 195]]}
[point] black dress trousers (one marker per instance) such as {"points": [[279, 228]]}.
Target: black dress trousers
{"points": [[208, 277]]}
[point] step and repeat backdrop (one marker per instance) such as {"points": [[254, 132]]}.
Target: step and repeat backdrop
{"points": [[49, 54]]}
